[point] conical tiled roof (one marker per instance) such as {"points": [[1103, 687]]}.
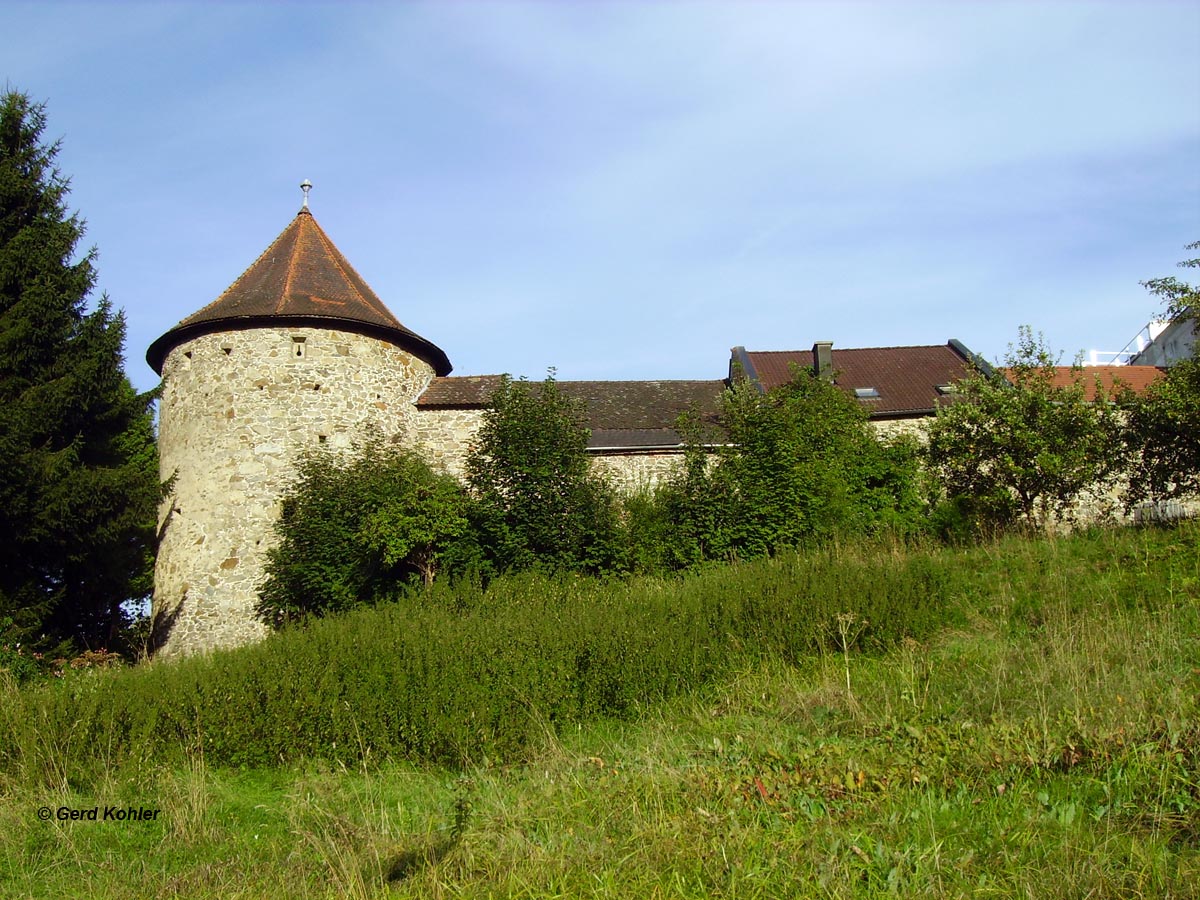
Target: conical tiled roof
{"points": [[302, 279]]}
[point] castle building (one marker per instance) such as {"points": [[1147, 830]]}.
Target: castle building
{"points": [[299, 352]]}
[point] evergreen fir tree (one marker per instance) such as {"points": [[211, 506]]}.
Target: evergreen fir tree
{"points": [[78, 482]]}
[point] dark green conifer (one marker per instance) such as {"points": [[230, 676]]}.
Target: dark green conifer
{"points": [[78, 479]]}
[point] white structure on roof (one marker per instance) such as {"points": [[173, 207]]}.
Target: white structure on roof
{"points": [[1126, 355], [1169, 343], [1161, 342]]}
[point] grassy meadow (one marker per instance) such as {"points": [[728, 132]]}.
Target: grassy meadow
{"points": [[1015, 719]]}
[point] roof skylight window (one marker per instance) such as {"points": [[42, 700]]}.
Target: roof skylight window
{"points": [[867, 393]]}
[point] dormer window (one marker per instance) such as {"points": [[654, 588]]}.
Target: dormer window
{"points": [[866, 393]]}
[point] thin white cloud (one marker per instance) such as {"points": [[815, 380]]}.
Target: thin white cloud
{"points": [[581, 183]]}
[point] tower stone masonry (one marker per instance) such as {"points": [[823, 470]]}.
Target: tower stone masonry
{"points": [[298, 353]]}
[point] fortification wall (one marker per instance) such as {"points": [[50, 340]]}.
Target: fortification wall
{"points": [[1094, 505], [630, 473], [237, 408], [445, 435]]}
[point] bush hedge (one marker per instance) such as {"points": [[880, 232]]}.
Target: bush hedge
{"points": [[456, 674]]}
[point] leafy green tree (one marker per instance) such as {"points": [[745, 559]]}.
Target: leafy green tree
{"points": [[799, 463], [539, 505], [79, 485], [1181, 300], [689, 518], [789, 472], [1164, 423], [1164, 434], [1022, 448], [352, 528]]}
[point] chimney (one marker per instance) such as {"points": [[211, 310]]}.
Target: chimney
{"points": [[823, 360]]}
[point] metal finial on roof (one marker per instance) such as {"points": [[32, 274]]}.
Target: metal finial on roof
{"points": [[305, 186]]}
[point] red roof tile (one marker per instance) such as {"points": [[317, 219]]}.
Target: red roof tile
{"points": [[301, 279], [1111, 379]]}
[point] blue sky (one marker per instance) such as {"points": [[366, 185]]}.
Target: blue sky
{"points": [[628, 189]]}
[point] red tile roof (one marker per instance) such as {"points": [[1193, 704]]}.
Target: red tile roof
{"points": [[907, 378], [301, 279], [1111, 379]]}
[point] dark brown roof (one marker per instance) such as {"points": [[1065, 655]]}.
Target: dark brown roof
{"points": [[459, 392], [906, 378], [620, 414], [1111, 378], [634, 438], [301, 279], [615, 405]]}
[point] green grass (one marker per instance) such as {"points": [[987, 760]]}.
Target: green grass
{"points": [[1044, 744]]}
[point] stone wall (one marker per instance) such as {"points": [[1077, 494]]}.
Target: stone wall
{"points": [[236, 410], [445, 435], [1093, 506], [238, 407], [635, 471], [889, 429]]}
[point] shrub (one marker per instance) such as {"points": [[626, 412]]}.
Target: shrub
{"points": [[353, 527], [454, 673], [691, 517], [649, 531], [446, 677]]}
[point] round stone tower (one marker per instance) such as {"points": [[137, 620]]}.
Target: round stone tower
{"points": [[299, 352]]}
